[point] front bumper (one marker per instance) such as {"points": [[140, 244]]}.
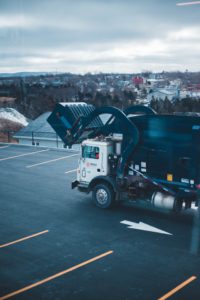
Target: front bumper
{"points": [[75, 184]]}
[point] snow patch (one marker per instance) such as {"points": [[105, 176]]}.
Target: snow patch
{"points": [[13, 115]]}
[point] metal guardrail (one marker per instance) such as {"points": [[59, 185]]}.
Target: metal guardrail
{"points": [[10, 136], [33, 138]]}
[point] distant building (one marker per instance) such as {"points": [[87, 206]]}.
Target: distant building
{"points": [[189, 94], [162, 94], [138, 80], [191, 91]]}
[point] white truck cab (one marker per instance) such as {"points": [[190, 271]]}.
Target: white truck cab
{"points": [[94, 159]]}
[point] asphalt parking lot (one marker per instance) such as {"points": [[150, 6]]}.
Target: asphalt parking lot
{"points": [[55, 244]]}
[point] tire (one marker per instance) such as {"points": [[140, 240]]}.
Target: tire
{"points": [[103, 195]]}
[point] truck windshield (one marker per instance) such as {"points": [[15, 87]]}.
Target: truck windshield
{"points": [[90, 152]]}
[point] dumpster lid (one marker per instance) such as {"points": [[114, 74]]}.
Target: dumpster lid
{"points": [[65, 114]]}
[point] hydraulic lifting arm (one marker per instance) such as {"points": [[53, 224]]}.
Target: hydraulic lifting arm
{"points": [[118, 122], [139, 109]]}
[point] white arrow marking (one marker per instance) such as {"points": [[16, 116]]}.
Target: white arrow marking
{"points": [[143, 226], [188, 3]]}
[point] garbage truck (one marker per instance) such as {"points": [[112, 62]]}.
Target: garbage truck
{"points": [[132, 154]]}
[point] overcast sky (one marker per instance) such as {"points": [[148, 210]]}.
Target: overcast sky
{"points": [[82, 36]]}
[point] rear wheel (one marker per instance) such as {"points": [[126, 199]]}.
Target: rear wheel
{"points": [[103, 195]]}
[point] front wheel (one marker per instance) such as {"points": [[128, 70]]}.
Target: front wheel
{"points": [[103, 195]]}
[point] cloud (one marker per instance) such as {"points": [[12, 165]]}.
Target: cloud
{"points": [[88, 35], [16, 21], [187, 33]]}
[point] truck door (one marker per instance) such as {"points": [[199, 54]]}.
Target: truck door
{"points": [[90, 163]]}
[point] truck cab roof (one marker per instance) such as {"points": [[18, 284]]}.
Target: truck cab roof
{"points": [[96, 142]]}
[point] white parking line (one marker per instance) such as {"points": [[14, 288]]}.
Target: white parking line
{"points": [[49, 161], [71, 171], [30, 153], [2, 147]]}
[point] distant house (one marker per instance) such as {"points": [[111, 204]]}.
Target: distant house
{"points": [[138, 80], [39, 133], [162, 94]]}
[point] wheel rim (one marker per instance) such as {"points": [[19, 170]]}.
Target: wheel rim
{"points": [[101, 196]]}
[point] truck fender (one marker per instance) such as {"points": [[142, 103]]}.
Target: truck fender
{"points": [[103, 179]]}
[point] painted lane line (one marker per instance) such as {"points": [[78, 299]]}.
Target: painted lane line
{"points": [[55, 276], [49, 161], [30, 153], [23, 239], [179, 287], [2, 147], [71, 171]]}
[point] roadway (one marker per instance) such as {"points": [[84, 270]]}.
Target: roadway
{"points": [[55, 244]]}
